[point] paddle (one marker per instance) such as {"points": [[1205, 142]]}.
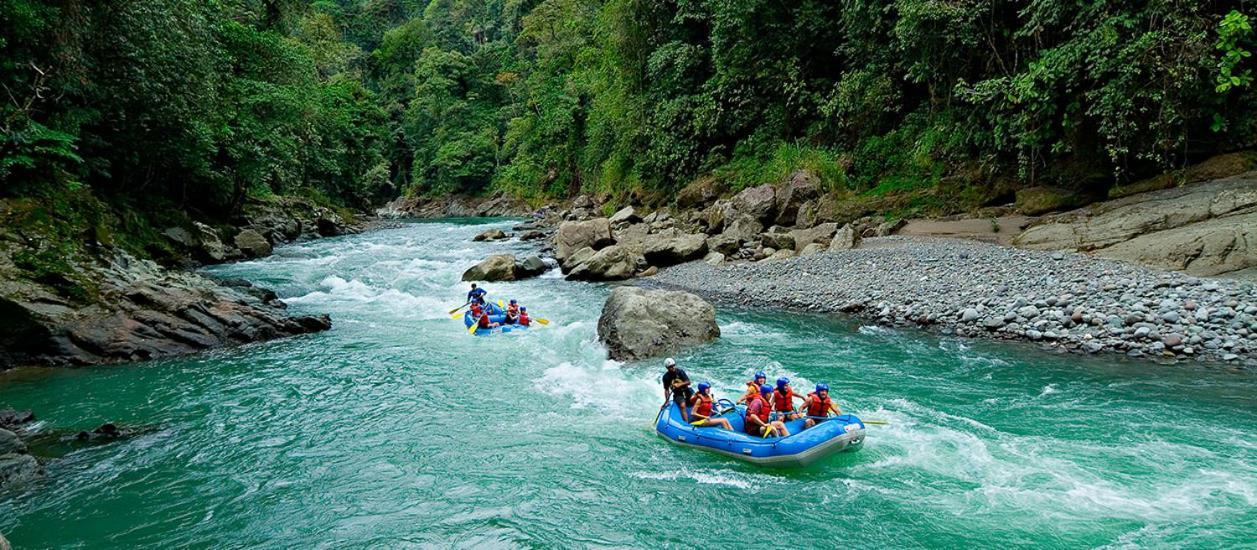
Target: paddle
{"points": [[455, 310], [476, 325], [874, 422]]}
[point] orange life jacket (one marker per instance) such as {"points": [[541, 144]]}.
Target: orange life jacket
{"points": [[702, 404], [816, 406], [512, 310], [752, 390], [783, 402]]}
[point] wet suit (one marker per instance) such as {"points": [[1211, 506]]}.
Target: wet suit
{"points": [[681, 396]]}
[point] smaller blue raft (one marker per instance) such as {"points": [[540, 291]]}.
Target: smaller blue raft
{"points": [[496, 315], [800, 448]]}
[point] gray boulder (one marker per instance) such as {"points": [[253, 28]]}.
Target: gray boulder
{"points": [[253, 244], [531, 266], [675, 250], [744, 229], [724, 244], [777, 240], [812, 249], [819, 234], [16, 468], [10, 443], [613, 263], [498, 267], [625, 216], [209, 248], [757, 202], [846, 238], [802, 186], [490, 235], [700, 193], [575, 235], [637, 323]]}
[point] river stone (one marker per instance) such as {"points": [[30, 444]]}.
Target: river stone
{"points": [[575, 235], [777, 240], [10, 443], [638, 323], [802, 186], [530, 266], [490, 235], [625, 216], [16, 468], [498, 267], [714, 258], [613, 263], [678, 249], [209, 247], [743, 228], [756, 202], [812, 249], [969, 315], [252, 243], [846, 238], [820, 233]]}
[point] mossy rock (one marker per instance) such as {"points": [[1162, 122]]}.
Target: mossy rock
{"points": [[1217, 167], [1033, 201]]}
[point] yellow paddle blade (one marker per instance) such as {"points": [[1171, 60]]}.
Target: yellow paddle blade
{"points": [[473, 327], [501, 305], [877, 422], [697, 422], [542, 321], [455, 315]]}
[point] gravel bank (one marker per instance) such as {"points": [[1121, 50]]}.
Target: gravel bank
{"points": [[1064, 300]]}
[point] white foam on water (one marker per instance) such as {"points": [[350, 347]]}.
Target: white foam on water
{"points": [[595, 386], [1048, 390], [725, 478]]}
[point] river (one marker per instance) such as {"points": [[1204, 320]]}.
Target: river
{"points": [[397, 428]]}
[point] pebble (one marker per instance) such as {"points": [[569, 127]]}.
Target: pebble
{"points": [[1085, 304]]}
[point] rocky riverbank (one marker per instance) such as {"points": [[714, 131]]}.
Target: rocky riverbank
{"points": [[1066, 301]]}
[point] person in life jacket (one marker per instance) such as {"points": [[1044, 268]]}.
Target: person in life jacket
{"points": [[758, 412], [752, 387], [512, 312], [476, 295], [481, 316], [783, 400], [523, 317], [819, 406], [702, 408]]}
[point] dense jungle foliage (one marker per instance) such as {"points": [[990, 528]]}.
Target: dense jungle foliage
{"points": [[198, 104]]}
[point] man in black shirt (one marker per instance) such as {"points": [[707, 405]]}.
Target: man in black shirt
{"points": [[676, 384]]}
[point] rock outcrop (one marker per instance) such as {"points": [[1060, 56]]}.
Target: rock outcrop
{"points": [[505, 267], [637, 323], [1205, 230], [131, 309], [613, 263], [575, 235], [801, 187], [252, 243]]}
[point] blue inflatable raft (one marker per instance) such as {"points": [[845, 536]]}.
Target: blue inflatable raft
{"points": [[800, 448], [496, 315]]}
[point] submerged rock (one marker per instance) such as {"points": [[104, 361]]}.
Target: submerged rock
{"points": [[16, 468], [490, 235], [638, 323]]}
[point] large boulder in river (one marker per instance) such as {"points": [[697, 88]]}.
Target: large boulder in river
{"points": [[253, 244], [10, 443], [490, 235], [613, 263], [498, 267], [638, 323], [802, 186], [575, 235], [15, 468], [530, 266]]}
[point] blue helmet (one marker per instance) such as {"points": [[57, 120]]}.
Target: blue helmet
{"points": [[512, 301], [760, 374], [704, 386], [783, 382], [765, 389], [523, 308], [822, 387]]}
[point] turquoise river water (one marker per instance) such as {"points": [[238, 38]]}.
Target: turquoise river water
{"points": [[396, 428]]}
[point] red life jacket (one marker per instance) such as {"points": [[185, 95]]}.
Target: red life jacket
{"points": [[484, 321], [702, 404], [817, 406], [764, 411], [524, 320], [783, 402]]}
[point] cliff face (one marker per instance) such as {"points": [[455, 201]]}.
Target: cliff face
{"points": [[1206, 229]]}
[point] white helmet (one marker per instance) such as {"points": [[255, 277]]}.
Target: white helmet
{"points": [[669, 362]]}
